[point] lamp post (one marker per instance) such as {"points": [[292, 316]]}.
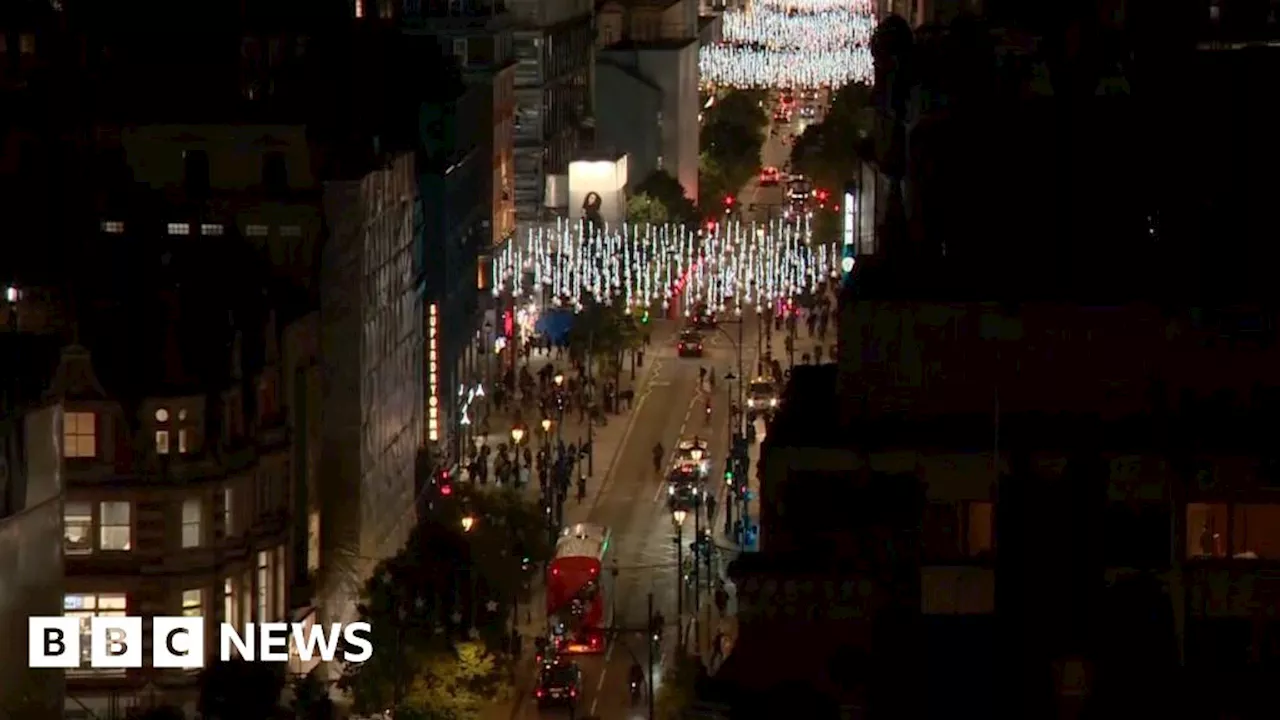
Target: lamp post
{"points": [[468, 522], [677, 517], [731, 477], [697, 535], [517, 434]]}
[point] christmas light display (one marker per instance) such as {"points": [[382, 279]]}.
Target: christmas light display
{"points": [[791, 43], [736, 265]]}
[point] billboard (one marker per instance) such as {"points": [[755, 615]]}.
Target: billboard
{"points": [[597, 190]]}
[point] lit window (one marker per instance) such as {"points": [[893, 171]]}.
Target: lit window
{"points": [[228, 601], [1206, 530], [211, 229], [27, 43], [290, 231], [313, 541], [193, 603], [79, 435], [182, 414], [179, 228], [264, 584], [1256, 532], [182, 441], [77, 528], [953, 532], [89, 606], [257, 230], [228, 508], [114, 227], [162, 442], [359, 8], [162, 415], [192, 514], [115, 530]]}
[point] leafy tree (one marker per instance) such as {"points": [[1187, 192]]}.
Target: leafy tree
{"points": [[311, 699], [609, 330], [446, 579], [240, 690], [644, 209], [733, 132], [828, 152], [456, 685], [740, 107], [668, 191], [735, 150]]}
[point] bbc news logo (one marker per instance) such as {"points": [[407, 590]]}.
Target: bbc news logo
{"points": [[179, 642]]}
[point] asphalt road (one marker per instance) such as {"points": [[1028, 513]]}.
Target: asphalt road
{"points": [[632, 503]]}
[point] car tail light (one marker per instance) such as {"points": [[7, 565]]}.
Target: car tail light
{"points": [[539, 692], [573, 692], [555, 571]]}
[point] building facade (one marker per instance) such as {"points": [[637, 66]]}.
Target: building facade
{"points": [[554, 44], [647, 56]]}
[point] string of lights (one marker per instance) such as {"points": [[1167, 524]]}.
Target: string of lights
{"points": [[737, 265], [791, 43]]}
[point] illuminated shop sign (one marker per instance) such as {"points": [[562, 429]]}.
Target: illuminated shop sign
{"points": [[433, 373], [850, 218]]}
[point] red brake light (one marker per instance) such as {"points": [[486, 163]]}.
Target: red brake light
{"points": [[573, 692], [593, 571], [446, 489], [539, 693], [555, 571]]}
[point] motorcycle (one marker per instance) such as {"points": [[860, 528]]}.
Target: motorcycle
{"points": [[635, 692]]}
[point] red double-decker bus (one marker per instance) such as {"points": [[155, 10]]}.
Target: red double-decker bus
{"points": [[578, 608]]}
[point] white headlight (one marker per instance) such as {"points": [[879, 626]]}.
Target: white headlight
{"points": [[773, 402], [671, 490]]}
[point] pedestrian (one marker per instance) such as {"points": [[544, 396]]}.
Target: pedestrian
{"points": [[582, 488]]}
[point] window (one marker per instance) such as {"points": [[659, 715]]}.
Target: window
{"points": [[27, 43], [89, 606], [210, 229], [958, 531], [1256, 533], [1207, 530], [193, 603], [116, 528], [77, 528], [183, 447], [228, 601], [313, 541], [113, 227], [290, 231], [162, 415], [195, 173], [359, 8], [264, 585], [79, 435], [162, 442], [192, 527], [266, 396], [179, 228], [228, 512], [275, 173], [257, 230], [278, 585]]}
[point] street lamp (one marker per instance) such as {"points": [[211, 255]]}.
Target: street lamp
{"points": [[677, 517], [546, 425], [468, 522], [517, 434], [559, 379]]}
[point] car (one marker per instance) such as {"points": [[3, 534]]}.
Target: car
{"points": [[683, 490], [808, 112], [559, 683], [693, 455], [762, 396], [690, 344], [770, 176]]}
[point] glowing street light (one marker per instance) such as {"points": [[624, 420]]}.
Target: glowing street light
{"points": [[546, 425], [559, 379], [467, 523], [517, 434], [678, 516]]}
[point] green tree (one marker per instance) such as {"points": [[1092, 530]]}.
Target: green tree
{"points": [[311, 699], [828, 152], [733, 132], [457, 684], [644, 209], [740, 107], [239, 690], [609, 330], [668, 191]]}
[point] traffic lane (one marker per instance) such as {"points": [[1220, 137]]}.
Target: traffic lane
{"points": [[627, 508]]}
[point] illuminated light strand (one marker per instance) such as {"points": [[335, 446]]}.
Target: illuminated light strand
{"points": [[737, 265], [791, 43]]}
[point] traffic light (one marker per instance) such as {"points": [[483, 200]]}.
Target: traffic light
{"points": [[728, 476], [644, 317]]}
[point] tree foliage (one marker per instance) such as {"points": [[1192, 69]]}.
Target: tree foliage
{"points": [[311, 699], [666, 190], [608, 329], [424, 604], [733, 132], [240, 690], [828, 152], [644, 209]]}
